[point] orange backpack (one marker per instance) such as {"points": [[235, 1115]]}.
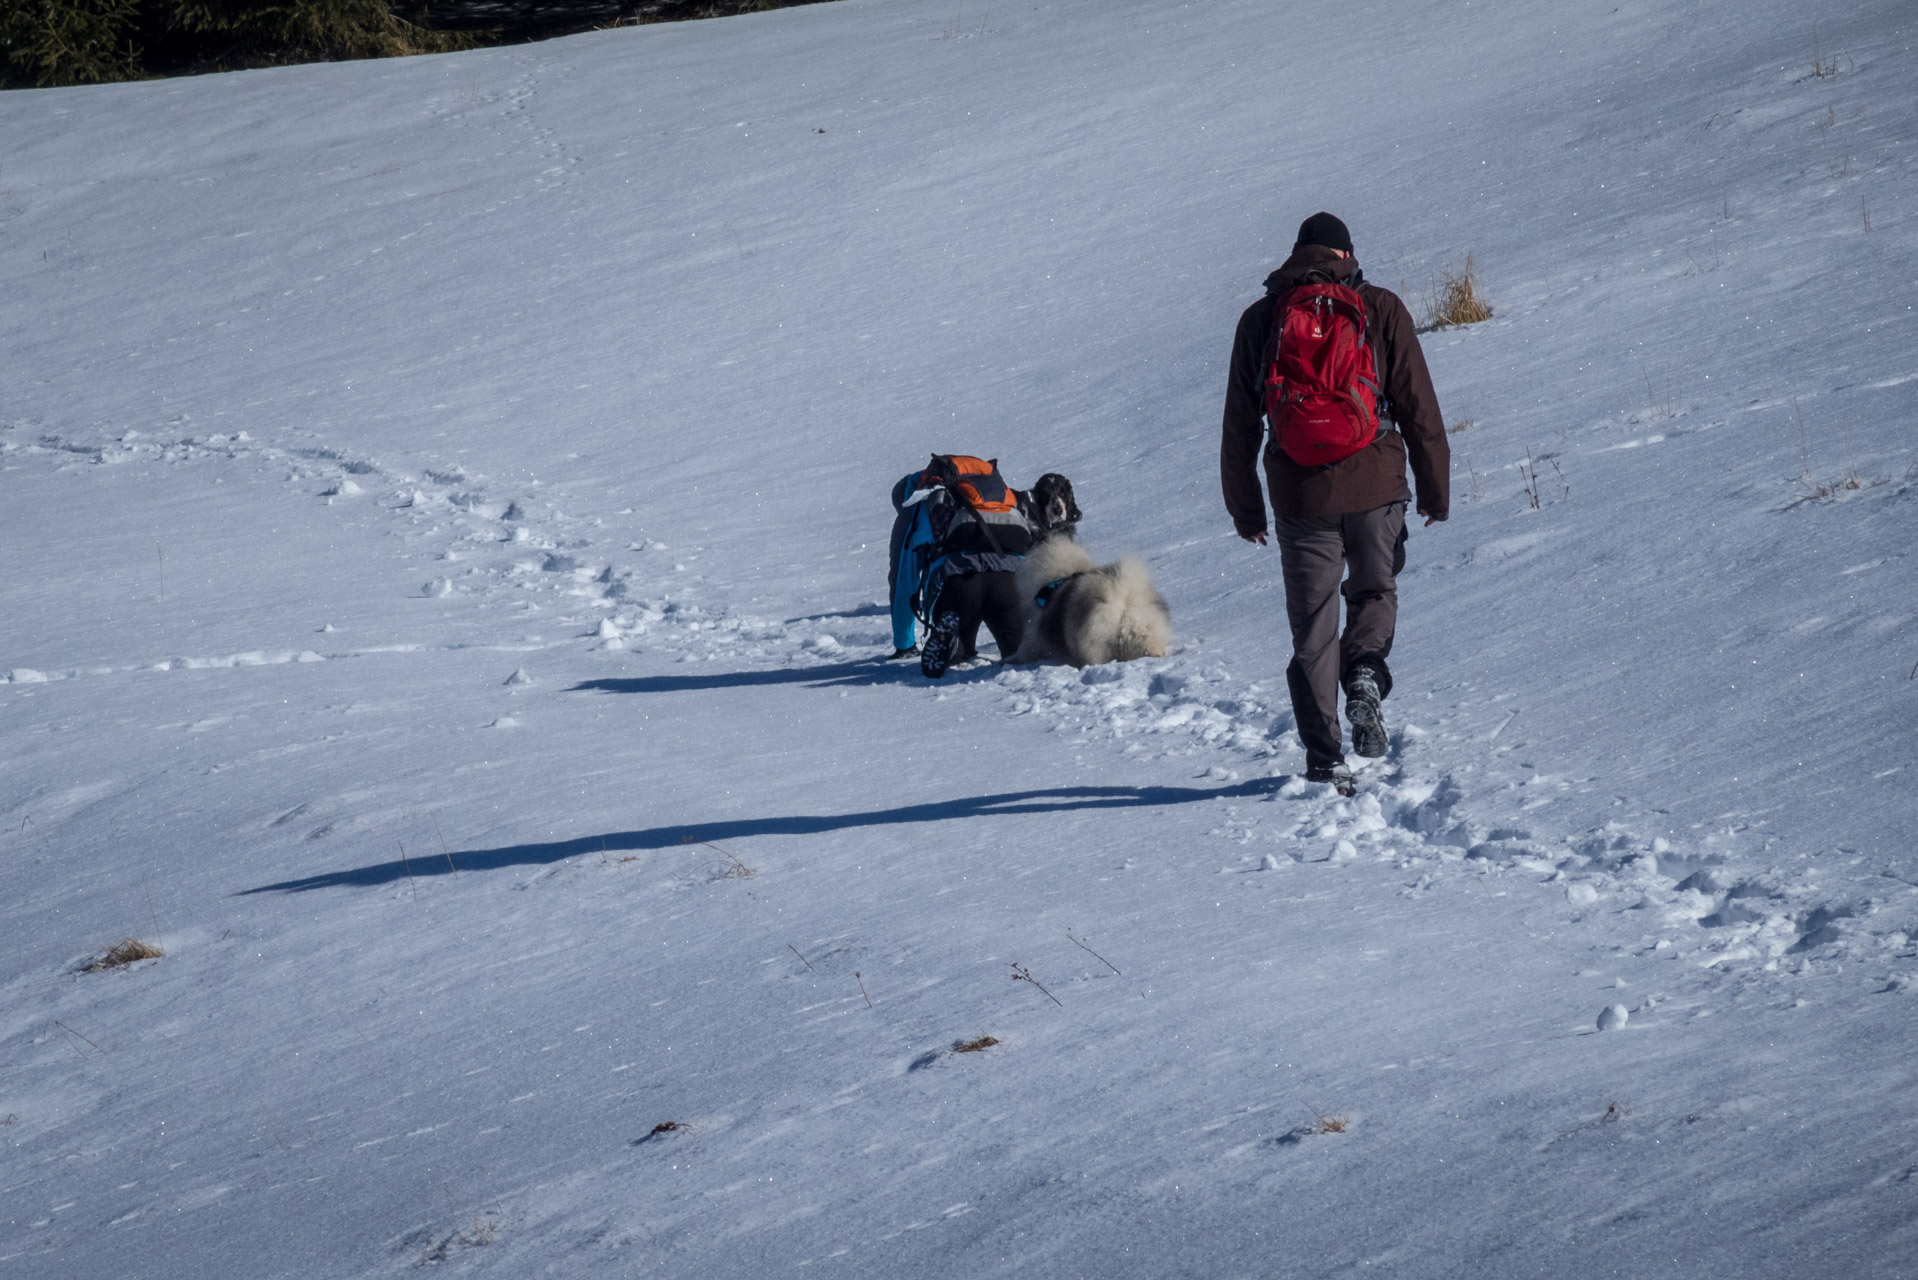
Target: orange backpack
{"points": [[976, 482], [997, 523]]}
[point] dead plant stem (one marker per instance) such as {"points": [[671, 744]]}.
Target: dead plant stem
{"points": [[449, 854], [153, 915], [1022, 974], [71, 1032], [1094, 954]]}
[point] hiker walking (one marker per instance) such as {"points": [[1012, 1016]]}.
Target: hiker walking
{"points": [[1333, 365]]}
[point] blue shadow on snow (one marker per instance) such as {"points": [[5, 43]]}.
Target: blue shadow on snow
{"points": [[825, 676], [863, 611], [1010, 803]]}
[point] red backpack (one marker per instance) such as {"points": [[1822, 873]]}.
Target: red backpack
{"points": [[1322, 386]]}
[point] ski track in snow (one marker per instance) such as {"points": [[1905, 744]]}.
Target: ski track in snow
{"points": [[1701, 904]]}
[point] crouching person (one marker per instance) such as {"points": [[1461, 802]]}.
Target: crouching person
{"points": [[956, 542]]}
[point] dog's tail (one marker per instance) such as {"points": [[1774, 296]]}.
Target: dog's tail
{"points": [[1144, 627]]}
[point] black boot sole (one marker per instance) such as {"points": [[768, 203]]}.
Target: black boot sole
{"points": [[1369, 738], [936, 654]]}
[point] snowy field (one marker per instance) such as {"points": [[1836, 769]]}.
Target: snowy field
{"points": [[445, 510]]}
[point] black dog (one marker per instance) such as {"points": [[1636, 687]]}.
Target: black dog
{"points": [[1049, 506]]}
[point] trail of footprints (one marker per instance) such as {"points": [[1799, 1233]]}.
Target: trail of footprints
{"points": [[1425, 811], [1437, 812]]}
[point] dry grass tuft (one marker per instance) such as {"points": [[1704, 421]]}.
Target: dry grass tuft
{"points": [[668, 1126], [1457, 300], [1321, 1125], [1822, 67], [607, 860], [477, 1234], [980, 1045], [1819, 490], [1461, 424], [1816, 490], [123, 954], [729, 868]]}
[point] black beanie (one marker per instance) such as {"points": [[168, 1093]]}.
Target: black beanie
{"points": [[1323, 228]]}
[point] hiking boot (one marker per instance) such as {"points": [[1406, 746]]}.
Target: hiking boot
{"points": [[913, 652], [941, 642], [1362, 711], [1336, 773]]}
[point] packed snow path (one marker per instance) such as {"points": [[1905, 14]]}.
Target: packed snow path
{"points": [[447, 500]]}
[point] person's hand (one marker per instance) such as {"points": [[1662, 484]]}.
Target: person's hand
{"points": [[1258, 537], [1430, 519]]}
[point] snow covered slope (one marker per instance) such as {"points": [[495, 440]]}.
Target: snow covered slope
{"points": [[445, 510]]}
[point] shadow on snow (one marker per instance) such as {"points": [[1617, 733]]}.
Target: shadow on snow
{"points": [[863, 611], [825, 676], [1010, 803]]}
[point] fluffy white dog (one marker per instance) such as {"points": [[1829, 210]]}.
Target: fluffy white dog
{"points": [[1083, 613]]}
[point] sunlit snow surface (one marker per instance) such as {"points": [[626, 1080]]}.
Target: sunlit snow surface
{"points": [[444, 515]]}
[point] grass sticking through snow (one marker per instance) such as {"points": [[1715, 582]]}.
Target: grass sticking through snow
{"points": [[1457, 299], [125, 953], [1321, 1125]]}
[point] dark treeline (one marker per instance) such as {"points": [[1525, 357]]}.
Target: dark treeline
{"points": [[64, 42]]}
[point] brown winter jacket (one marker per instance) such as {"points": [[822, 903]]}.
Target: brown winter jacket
{"points": [[1369, 478]]}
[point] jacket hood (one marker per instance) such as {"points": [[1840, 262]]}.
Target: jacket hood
{"points": [[1314, 257]]}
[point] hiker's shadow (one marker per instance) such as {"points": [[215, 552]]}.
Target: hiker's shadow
{"points": [[863, 611], [1010, 803], [866, 671]]}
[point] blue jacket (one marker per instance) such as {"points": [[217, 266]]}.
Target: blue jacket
{"points": [[915, 568]]}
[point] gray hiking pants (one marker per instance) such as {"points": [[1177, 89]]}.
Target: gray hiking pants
{"points": [[1367, 550]]}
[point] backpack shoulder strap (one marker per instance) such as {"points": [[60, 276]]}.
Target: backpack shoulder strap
{"points": [[943, 474], [985, 526]]}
